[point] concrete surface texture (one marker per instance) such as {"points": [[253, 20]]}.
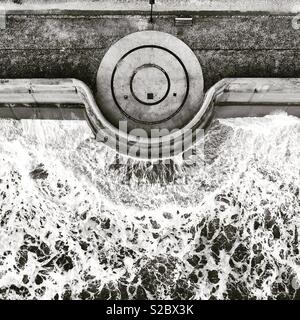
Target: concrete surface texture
{"points": [[73, 46], [226, 44], [150, 78], [161, 5]]}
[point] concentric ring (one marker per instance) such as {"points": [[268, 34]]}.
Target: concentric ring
{"points": [[149, 65], [152, 81], [165, 118]]}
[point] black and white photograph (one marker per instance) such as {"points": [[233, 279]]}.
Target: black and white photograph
{"points": [[149, 151]]}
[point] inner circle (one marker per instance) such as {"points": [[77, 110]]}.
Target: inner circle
{"points": [[150, 84]]}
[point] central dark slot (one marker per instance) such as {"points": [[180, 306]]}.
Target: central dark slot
{"points": [[150, 96]]}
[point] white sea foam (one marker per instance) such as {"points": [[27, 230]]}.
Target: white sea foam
{"points": [[75, 225]]}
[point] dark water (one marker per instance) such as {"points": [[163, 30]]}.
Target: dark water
{"points": [[73, 225]]}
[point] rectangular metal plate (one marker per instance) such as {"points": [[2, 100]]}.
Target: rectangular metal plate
{"points": [[183, 22]]}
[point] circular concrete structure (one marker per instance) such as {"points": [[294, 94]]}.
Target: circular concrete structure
{"points": [[151, 80]]}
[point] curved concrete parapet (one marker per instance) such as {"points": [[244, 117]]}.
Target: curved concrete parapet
{"points": [[72, 99]]}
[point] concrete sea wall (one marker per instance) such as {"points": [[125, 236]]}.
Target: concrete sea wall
{"points": [[68, 42]]}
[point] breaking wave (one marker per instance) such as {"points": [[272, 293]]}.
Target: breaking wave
{"points": [[74, 224]]}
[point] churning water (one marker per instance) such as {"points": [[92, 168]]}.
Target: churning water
{"points": [[74, 225]]}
